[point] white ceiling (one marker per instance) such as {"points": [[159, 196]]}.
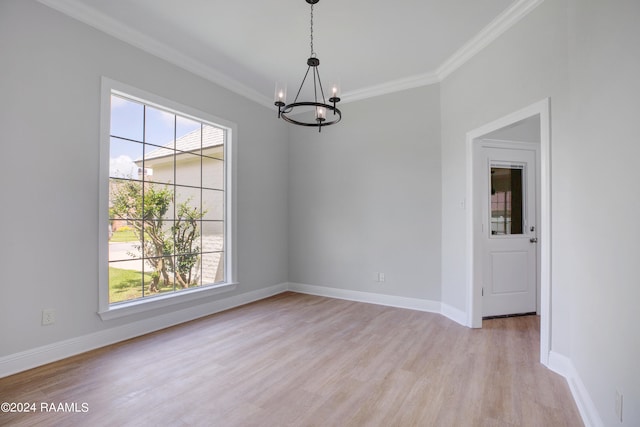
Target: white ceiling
{"points": [[371, 47]]}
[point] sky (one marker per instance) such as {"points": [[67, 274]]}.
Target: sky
{"points": [[128, 120]]}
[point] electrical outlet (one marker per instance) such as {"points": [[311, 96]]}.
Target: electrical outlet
{"points": [[378, 277], [619, 402], [48, 316]]}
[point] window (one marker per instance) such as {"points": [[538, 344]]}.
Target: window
{"points": [[507, 205], [167, 208]]}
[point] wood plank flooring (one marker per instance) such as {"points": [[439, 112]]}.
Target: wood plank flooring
{"points": [[301, 360]]}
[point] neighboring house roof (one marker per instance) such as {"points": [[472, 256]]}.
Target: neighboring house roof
{"points": [[211, 137]]}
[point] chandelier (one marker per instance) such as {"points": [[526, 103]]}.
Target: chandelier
{"points": [[322, 111]]}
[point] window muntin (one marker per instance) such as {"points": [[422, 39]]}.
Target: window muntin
{"points": [[168, 190]]}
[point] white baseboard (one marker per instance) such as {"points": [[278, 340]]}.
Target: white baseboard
{"points": [[430, 306], [369, 297], [454, 314], [563, 366], [28, 359]]}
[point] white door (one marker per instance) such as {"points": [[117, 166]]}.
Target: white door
{"points": [[507, 196]]}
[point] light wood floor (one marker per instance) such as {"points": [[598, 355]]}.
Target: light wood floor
{"points": [[300, 360]]}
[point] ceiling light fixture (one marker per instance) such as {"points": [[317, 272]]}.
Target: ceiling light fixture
{"points": [[320, 108]]}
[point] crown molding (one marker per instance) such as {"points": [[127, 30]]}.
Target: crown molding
{"points": [[390, 87], [93, 18], [101, 22], [488, 34]]}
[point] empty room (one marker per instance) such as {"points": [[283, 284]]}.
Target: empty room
{"points": [[320, 213]]}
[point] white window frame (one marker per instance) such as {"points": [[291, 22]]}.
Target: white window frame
{"points": [[107, 311]]}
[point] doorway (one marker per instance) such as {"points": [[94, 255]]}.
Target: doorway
{"points": [[511, 130], [506, 208]]}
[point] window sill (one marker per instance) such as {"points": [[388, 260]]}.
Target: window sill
{"points": [[160, 301]]}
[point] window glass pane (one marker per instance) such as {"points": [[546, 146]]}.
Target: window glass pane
{"points": [[156, 236], [212, 173], [124, 243], [188, 134], [158, 202], [212, 236], [125, 281], [187, 236], [213, 204], [163, 268], [159, 127], [506, 201], [159, 170], [213, 141], [125, 200], [188, 168], [212, 268], [197, 272], [188, 270], [158, 163], [127, 118], [121, 232], [188, 198], [154, 154], [125, 158], [158, 274]]}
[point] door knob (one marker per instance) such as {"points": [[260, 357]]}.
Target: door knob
{"points": [[533, 240]]}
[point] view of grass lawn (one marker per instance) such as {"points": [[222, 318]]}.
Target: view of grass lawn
{"points": [[124, 234], [126, 285]]}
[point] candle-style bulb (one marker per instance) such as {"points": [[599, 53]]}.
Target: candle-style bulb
{"points": [[335, 94], [335, 90], [280, 96]]}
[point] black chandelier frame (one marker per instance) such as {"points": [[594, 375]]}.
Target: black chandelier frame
{"points": [[284, 110]]}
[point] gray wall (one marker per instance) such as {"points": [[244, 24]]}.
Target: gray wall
{"points": [[603, 221], [49, 127], [365, 197]]}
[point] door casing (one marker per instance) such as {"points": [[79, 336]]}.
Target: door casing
{"points": [[474, 284]]}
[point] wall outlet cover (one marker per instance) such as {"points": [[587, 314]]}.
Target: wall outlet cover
{"points": [[48, 316]]}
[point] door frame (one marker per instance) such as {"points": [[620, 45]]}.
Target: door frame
{"points": [[474, 286]]}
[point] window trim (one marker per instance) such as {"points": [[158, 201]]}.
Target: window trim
{"points": [[105, 310]]}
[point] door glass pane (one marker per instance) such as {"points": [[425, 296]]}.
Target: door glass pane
{"points": [[507, 205]]}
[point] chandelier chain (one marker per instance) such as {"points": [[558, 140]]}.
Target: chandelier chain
{"points": [[311, 32]]}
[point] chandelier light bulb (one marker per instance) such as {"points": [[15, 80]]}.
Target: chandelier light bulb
{"points": [[321, 113], [280, 92]]}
